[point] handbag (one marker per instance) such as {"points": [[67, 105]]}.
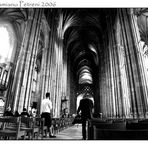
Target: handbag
{"points": [[77, 119]]}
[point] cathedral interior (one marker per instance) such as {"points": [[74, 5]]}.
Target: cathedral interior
{"points": [[72, 51]]}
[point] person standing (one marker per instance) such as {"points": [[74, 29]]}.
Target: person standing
{"points": [[46, 107], [86, 107]]}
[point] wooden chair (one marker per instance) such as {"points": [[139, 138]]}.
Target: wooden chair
{"points": [[130, 130], [36, 128], [42, 129], [28, 125], [70, 121], [62, 123], [143, 121], [10, 128], [99, 128], [109, 131], [66, 122], [56, 124]]}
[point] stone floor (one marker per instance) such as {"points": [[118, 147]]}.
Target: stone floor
{"points": [[71, 133]]}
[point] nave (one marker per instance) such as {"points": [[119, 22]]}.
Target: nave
{"points": [[71, 133], [72, 52]]}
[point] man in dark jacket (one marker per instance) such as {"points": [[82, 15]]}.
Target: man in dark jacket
{"points": [[25, 113], [86, 106], [8, 112]]}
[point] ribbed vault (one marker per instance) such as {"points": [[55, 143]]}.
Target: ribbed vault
{"points": [[82, 40]]}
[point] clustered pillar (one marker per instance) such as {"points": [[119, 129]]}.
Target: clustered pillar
{"points": [[122, 78], [54, 67], [25, 64], [42, 35]]}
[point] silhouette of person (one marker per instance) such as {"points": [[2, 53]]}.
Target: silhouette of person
{"points": [[25, 113], [16, 114], [8, 112], [85, 106]]}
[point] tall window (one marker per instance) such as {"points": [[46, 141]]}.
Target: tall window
{"points": [[6, 42]]}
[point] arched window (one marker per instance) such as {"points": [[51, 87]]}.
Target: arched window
{"points": [[7, 41]]}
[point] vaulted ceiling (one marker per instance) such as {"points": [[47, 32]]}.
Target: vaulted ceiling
{"points": [[83, 41], [83, 32]]}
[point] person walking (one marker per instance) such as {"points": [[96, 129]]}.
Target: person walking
{"points": [[86, 107], [46, 107]]}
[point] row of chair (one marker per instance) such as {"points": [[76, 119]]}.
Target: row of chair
{"points": [[29, 128], [117, 130], [18, 128], [61, 123]]}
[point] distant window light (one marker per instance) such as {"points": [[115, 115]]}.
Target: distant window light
{"points": [[92, 49], [85, 78]]}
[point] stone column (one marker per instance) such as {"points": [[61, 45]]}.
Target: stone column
{"points": [[68, 83], [125, 101], [111, 90], [109, 85], [25, 66], [32, 59], [144, 79], [18, 76], [115, 72], [44, 75], [134, 65], [52, 65]]}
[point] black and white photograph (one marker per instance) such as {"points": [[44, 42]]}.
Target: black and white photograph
{"points": [[73, 73]]}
